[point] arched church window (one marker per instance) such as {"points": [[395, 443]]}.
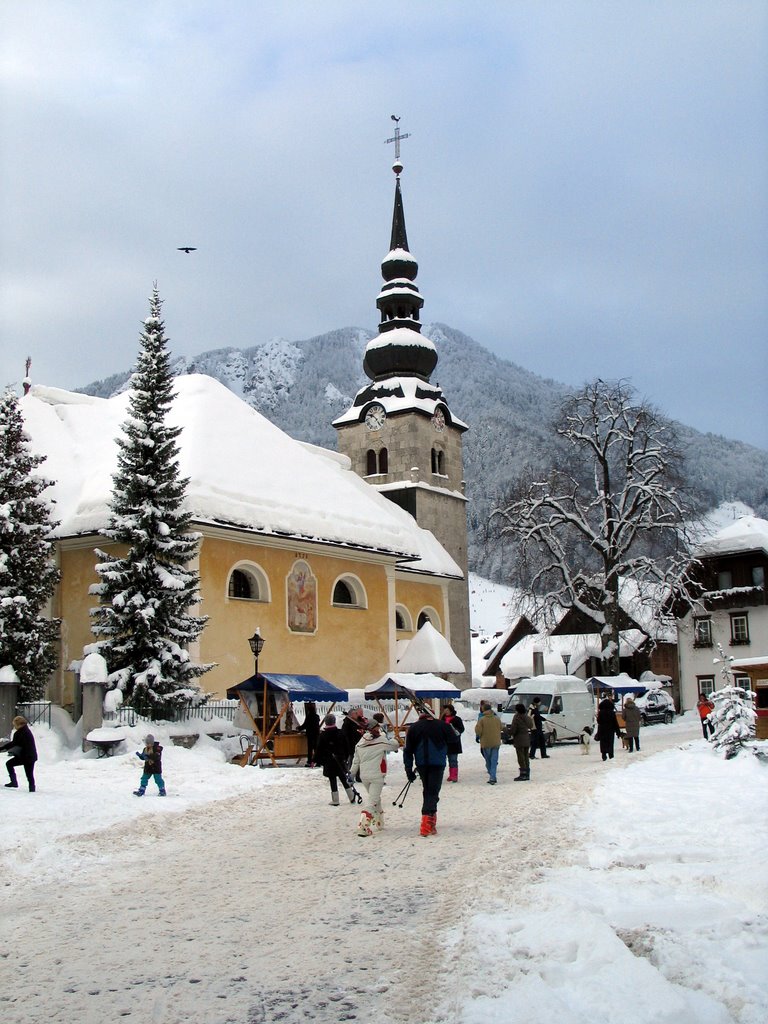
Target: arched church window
{"points": [[349, 592], [383, 461], [248, 583], [434, 461], [370, 462], [403, 621], [429, 615]]}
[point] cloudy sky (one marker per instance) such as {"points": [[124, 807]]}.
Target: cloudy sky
{"points": [[585, 182]]}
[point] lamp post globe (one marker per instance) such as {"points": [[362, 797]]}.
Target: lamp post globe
{"points": [[256, 643], [566, 658]]}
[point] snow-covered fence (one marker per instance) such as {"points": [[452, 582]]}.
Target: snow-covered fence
{"points": [[213, 709], [36, 712]]}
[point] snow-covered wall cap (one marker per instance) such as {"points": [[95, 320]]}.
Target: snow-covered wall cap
{"points": [[94, 669], [398, 254], [747, 534], [8, 675]]}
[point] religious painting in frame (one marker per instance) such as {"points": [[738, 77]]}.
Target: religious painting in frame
{"points": [[301, 588]]}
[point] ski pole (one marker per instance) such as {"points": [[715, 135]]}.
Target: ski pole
{"points": [[401, 795]]}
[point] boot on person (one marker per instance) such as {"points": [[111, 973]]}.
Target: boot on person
{"points": [[432, 824], [334, 798], [378, 820], [453, 774], [351, 794], [426, 828], [140, 791], [364, 828]]}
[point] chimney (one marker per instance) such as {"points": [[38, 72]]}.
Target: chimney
{"points": [[538, 663]]}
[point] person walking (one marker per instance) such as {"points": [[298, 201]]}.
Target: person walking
{"points": [[152, 756], [353, 727], [370, 760], [520, 729], [311, 727], [705, 707], [426, 747], [488, 733], [538, 736], [632, 724], [607, 728], [23, 754], [450, 716], [332, 754]]}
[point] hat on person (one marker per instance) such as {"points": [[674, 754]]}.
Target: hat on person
{"points": [[149, 739]]}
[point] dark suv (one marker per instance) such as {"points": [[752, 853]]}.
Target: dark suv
{"points": [[655, 706]]}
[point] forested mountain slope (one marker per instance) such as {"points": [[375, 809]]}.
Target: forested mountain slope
{"points": [[303, 385]]}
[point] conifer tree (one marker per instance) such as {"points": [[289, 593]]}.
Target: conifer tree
{"points": [[147, 590], [733, 717], [28, 575]]}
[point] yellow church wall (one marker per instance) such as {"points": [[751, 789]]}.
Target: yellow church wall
{"points": [[349, 646], [417, 596]]}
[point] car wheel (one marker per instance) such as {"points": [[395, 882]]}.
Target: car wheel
{"points": [[551, 738], [643, 719], [667, 717]]}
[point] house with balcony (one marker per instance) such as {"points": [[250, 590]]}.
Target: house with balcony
{"points": [[731, 610]]}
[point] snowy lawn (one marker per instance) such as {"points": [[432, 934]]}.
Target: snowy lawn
{"points": [[634, 889]]}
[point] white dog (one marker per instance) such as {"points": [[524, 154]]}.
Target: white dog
{"points": [[585, 738]]}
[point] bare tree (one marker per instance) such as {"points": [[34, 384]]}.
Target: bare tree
{"points": [[612, 511]]}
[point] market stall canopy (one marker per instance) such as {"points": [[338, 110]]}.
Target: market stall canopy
{"points": [[423, 684], [621, 684], [294, 687], [429, 651]]}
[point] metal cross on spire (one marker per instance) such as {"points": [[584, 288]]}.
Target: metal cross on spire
{"points": [[397, 138]]}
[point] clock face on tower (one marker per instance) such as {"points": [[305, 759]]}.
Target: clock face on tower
{"points": [[374, 418], [438, 420]]}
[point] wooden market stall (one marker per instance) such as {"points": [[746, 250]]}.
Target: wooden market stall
{"points": [[424, 685], [266, 702]]}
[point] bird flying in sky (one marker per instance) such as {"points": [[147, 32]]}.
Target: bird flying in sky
{"points": [[187, 248]]}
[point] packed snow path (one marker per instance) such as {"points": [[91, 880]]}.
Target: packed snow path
{"points": [[268, 907]]}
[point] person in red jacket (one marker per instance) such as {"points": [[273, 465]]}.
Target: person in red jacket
{"points": [[705, 707]]}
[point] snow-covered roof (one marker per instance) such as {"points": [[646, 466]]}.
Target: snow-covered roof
{"points": [[243, 471], [518, 661], [429, 651], [749, 533]]}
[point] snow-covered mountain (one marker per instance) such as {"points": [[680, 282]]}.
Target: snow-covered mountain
{"points": [[303, 385]]}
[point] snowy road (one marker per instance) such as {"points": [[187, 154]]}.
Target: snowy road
{"points": [[267, 907]]}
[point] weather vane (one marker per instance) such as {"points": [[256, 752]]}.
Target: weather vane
{"points": [[397, 138]]}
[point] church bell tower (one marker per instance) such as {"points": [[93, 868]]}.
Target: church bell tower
{"points": [[400, 433]]}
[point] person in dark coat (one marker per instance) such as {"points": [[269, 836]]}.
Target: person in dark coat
{"points": [[353, 727], [426, 746], [632, 724], [23, 753], [607, 727], [332, 754], [520, 729], [538, 736], [152, 756], [450, 716], [311, 726]]}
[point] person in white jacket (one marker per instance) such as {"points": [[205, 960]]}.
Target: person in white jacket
{"points": [[370, 760]]}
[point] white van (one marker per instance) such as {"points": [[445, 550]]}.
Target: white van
{"points": [[566, 704]]}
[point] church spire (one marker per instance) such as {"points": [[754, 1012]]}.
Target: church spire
{"points": [[399, 349]]}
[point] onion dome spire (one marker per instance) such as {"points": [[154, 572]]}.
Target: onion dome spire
{"points": [[399, 349]]}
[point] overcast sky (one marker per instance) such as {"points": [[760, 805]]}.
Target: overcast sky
{"points": [[585, 183]]}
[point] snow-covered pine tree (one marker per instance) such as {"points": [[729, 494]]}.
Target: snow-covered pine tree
{"points": [[733, 717], [147, 591], [28, 575]]}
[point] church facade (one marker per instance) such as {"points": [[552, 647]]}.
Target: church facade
{"points": [[337, 558]]}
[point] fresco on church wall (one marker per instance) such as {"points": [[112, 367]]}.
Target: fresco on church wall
{"points": [[302, 599]]}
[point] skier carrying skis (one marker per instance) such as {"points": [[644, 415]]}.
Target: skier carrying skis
{"points": [[370, 759]]}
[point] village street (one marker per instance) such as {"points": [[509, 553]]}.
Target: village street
{"points": [[267, 906]]}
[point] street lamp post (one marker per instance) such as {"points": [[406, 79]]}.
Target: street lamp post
{"points": [[566, 658], [256, 642]]}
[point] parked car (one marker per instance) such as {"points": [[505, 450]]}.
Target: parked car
{"points": [[655, 706]]}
